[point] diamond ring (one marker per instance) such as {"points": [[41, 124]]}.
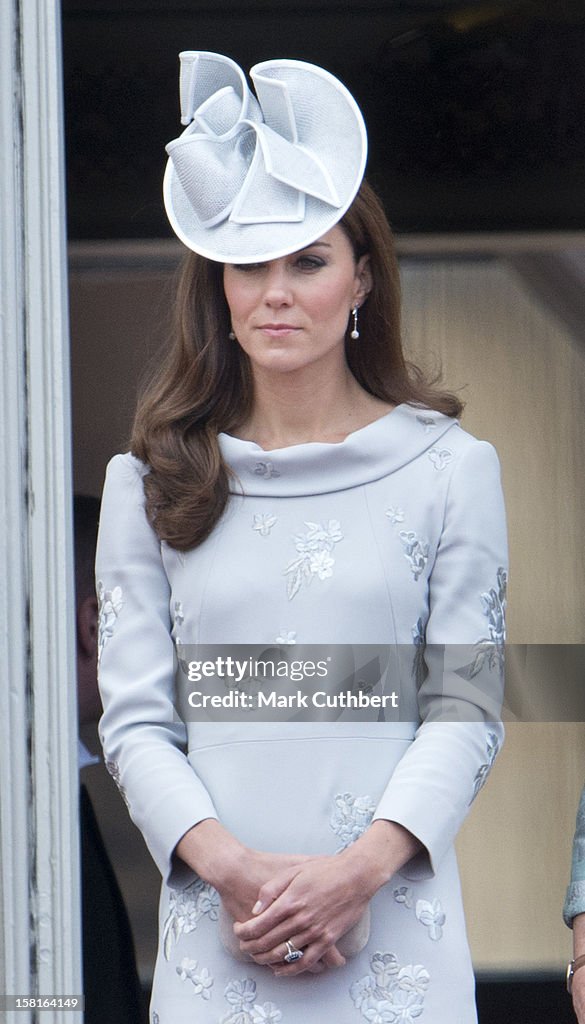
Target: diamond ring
{"points": [[292, 953]]}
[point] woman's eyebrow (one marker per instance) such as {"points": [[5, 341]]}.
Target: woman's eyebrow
{"points": [[317, 245]]}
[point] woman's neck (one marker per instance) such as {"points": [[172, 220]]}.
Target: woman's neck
{"points": [[289, 409]]}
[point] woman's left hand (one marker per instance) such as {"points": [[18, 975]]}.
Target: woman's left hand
{"points": [[314, 903], [310, 905]]}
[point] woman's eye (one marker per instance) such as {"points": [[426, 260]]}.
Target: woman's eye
{"points": [[310, 262]]}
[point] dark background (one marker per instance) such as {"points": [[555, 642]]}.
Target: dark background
{"points": [[474, 109]]}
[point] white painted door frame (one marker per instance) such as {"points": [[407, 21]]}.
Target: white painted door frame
{"points": [[40, 935]]}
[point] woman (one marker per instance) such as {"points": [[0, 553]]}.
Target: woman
{"points": [[574, 915], [293, 481]]}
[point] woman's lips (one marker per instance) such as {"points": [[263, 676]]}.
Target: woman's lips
{"points": [[278, 330]]}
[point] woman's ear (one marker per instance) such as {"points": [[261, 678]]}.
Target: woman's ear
{"points": [[364, 279]]}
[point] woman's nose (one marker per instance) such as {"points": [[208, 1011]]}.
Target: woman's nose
{"points": [[277, 290]]}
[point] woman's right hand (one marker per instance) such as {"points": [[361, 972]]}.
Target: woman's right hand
{"points": [[239, 888], [236, 871]]}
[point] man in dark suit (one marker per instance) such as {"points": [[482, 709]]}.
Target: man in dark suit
{"points": [[111, 984]]}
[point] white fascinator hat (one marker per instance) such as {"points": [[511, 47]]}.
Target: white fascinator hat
{"points": [[255, 177]]}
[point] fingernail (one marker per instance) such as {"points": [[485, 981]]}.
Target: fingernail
{"points": [[257, 907]]}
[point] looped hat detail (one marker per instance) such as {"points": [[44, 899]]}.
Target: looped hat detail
{"points": [[252, 179]]}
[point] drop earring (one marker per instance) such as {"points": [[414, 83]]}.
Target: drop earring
{"points": [[355, 333], [231, 336]]}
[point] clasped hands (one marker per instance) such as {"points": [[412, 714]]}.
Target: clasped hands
{"points": [[310, 901]]}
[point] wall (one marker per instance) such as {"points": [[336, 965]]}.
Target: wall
{"points": [[522, 375]]}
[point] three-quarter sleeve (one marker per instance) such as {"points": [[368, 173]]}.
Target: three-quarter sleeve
{"points": [[575, 898], [144, 744], [434, 784]]}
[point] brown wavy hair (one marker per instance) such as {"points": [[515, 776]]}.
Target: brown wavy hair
{"points": [[205, 383]]}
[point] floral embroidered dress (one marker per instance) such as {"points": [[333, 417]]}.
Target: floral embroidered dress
{"points": [[394, 536]]}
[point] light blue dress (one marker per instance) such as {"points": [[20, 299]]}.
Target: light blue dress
{"points": [[575, 898], [394, 536]]}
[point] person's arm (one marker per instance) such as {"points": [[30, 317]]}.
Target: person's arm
{"points": [[144, 743], [574, 910], [435, 783]]}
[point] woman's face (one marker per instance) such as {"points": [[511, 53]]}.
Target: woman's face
{"points": [[292, 313]]}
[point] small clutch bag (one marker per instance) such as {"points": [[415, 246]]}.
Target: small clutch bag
{"points": [[348, 945]]}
